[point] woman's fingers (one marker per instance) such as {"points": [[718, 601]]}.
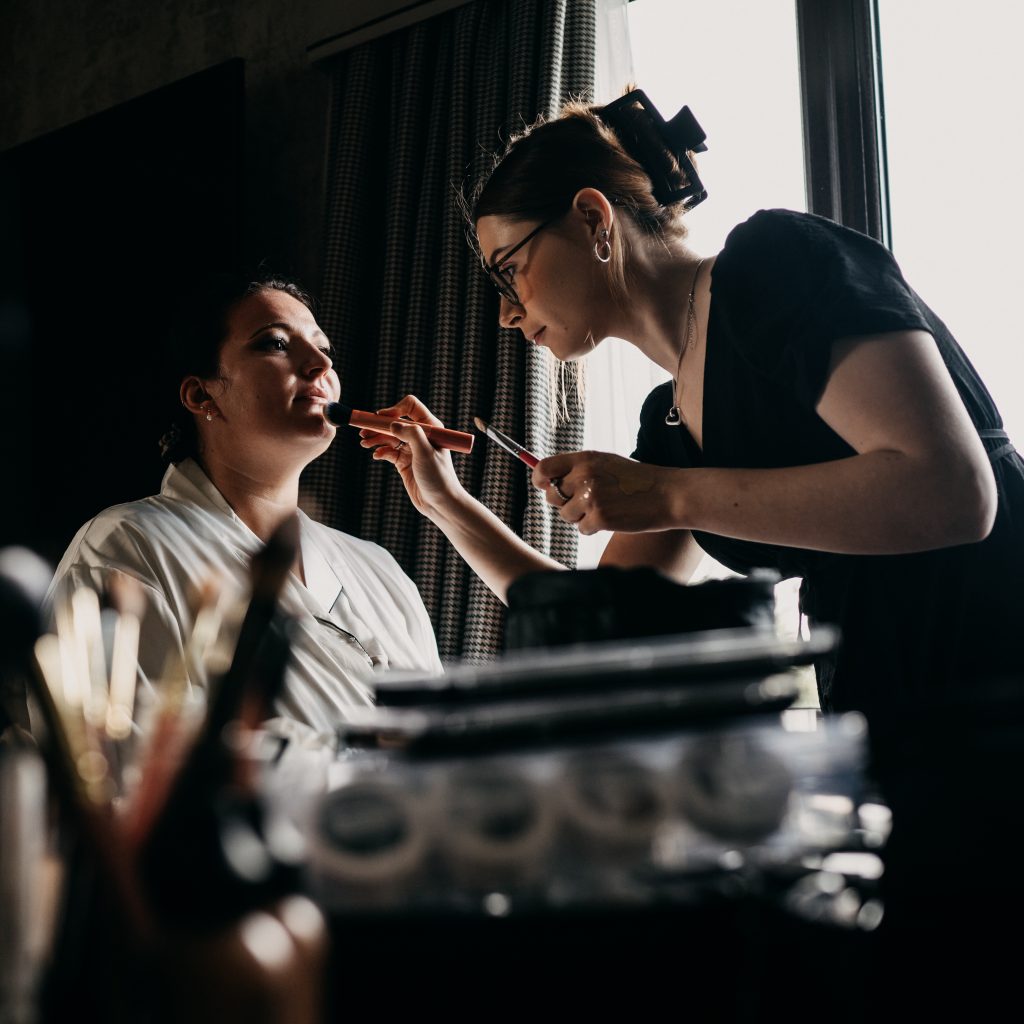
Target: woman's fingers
{"points": [[593, 490], [412, 435], [557, 494], [578, 506], [372, 438], [412, 408], [391, 449], [555, 467], [554, 475]]}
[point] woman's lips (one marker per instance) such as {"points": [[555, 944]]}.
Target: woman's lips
{"points": [[539, 335]]}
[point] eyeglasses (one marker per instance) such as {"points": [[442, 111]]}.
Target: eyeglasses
{"points": [[499, 277]]}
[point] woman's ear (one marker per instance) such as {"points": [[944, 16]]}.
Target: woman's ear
{"points": [[194, 396], [595, 209]]}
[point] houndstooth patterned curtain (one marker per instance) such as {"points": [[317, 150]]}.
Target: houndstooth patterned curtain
{"points": [[413, 116]]}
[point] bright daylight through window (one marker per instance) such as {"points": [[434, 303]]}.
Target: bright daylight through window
{"points": [[734, 63], [952, 112]]}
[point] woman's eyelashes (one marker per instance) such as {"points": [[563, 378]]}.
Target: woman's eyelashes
{"points": [[272, 343], [278, 343]]}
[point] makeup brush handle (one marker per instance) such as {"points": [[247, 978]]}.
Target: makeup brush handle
{"points": [[440, 437]]}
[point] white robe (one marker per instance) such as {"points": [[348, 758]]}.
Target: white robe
{"points": [[357, 613]]}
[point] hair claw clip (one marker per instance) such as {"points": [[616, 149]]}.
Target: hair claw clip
{"points": [[646, 134]]}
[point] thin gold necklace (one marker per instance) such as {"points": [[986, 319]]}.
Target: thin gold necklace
{"points": [[674, 418]]}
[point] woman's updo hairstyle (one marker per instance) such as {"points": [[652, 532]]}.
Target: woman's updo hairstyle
{"points": [[545, 165], [196, 332]]}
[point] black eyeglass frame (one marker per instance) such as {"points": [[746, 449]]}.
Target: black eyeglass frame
{"points": [[505, 287]]}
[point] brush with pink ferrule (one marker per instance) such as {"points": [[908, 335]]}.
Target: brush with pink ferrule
{"points": [[506, 442]]}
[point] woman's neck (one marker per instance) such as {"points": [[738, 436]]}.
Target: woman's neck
{"points": [[655, 320], [261, 498]]}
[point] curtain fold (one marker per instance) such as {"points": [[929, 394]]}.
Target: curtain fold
{"points": [[413, 116]]}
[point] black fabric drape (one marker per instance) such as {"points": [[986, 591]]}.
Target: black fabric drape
{"points": [[413, 116]]}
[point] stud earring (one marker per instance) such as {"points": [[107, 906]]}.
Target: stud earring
{"points": [[603, 247]]}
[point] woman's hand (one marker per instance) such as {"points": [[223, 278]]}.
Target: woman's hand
{"points": [[608, 492], [427, 472], [489, 547]]}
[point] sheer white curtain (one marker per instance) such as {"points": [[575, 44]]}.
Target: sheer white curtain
{"points": [[706, 56], [618, 377], [735, 64]]}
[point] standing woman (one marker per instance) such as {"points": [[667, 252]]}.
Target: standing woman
{"points": [[820, 420]]}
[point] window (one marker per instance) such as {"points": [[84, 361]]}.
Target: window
{"points": [[734, 63], [955, 152], [945, 177]]}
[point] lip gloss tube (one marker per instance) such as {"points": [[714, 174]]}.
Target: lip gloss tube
{"points": [[343, 415]]}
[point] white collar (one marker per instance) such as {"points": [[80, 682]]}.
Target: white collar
{"points": [[321, 580], [187, 481]]}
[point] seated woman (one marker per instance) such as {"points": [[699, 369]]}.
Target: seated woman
{"points": [[253, 371]]}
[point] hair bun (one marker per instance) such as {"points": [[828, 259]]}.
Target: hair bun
{"points": [[171, 444]]}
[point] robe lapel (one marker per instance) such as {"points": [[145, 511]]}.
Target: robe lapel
{"points": [[321, 580]]}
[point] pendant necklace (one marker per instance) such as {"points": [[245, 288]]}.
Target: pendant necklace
{"points": [[675, 414]]}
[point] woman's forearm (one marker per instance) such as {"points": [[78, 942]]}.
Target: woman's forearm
{"points": [[496, 554], [876, 503], [920, 480]]}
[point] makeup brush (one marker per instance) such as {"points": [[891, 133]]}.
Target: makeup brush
{"points": [[270, 568], [182, 766], [127, 597], [504, 441], [178, 830], [345, 416]]}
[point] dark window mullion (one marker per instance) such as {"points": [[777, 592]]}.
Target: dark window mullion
{"points": [[840, 92]]}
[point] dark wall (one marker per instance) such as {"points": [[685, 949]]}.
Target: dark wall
{"points": [[108, 219], [139, 144], [63, 61]]}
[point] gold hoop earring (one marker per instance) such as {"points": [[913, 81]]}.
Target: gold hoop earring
{"points": [[603, 247]]}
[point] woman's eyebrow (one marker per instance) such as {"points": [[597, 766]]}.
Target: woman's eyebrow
{"points": [[494, 255], [284, 326], [265, 327]]}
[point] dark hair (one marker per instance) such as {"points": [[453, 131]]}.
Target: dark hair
{"points": [[537, 176], [545, 165], [194, 338]]}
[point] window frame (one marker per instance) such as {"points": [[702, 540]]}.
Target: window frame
{"points": [[844, 114]]}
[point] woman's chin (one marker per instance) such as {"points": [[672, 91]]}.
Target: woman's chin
{"points": [[313, 434], [573, 355], [309, 419], [571, 351], [322, 433]]}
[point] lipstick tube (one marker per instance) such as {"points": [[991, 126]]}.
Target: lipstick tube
{"points": [[441, 437]]}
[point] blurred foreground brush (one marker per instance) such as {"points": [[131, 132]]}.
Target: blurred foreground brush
{"points": [[177, 836], [270, 568], [174, 725], [176, 876], [129, 604]]}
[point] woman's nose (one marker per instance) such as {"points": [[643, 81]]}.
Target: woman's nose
{"points": [[509, 313], [318, 362]]}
